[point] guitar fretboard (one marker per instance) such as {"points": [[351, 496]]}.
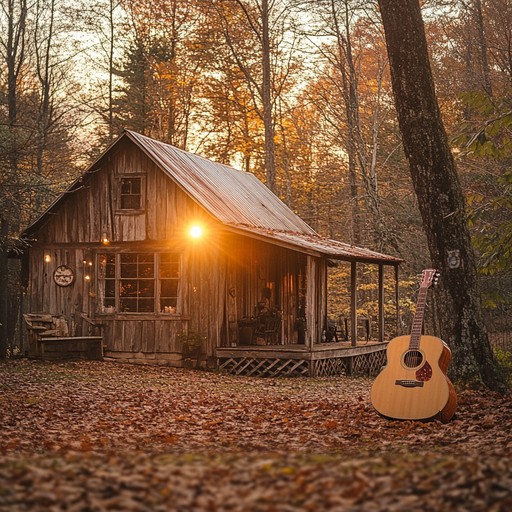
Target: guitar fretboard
{"points": [[417, 323]]}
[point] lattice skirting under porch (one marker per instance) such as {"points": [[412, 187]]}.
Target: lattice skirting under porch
{"points": [[266, 367], [364, 364]]}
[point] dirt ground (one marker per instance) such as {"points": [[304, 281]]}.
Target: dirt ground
{"points": [[100, 436]]}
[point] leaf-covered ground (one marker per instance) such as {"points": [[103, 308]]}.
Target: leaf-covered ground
{"points": [[95, 436]]}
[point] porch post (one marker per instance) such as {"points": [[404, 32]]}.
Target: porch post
{"points": [[353, 303], [381, 302]]}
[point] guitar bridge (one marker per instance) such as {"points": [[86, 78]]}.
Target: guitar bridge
{"points": [[409, 383]]}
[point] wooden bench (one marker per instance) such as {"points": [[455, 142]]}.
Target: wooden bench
{"points": [[49, 339], [71, 347]]}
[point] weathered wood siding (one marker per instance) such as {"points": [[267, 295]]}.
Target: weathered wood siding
{"points": [[93, 209], [45, 296]]}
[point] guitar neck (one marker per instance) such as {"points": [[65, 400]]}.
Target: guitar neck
{"points": [[417, 323]]}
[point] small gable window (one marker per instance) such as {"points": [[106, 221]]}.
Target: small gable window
{"points": [[130, 197]]}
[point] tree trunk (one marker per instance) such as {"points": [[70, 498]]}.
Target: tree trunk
{"points": [[4, 282], [14, 46], [482, 47], [45, 75], [266, 98], [111, 26], [345, 65], [439, 193]]}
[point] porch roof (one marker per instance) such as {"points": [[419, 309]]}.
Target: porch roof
{"points": [[318, 245]]}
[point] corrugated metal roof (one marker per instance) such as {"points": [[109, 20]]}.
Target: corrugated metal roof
{"points": [[241, 201], [230, 195], [319, 245]]}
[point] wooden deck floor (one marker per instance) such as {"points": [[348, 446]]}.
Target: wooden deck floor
{"points": [[341, 347], [323, 359]]}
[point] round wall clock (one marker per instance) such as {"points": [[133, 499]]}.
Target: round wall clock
{"points": [[63, 275]]}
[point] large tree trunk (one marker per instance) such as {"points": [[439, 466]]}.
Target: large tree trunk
{"points": [[14, 47], [4, 282], [439, 193]]}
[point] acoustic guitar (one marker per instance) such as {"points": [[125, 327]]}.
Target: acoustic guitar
{"points": [[413, 385]]}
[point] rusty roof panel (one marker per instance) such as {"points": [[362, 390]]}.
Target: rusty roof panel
{"points": [[230, 195], [320, 245]]}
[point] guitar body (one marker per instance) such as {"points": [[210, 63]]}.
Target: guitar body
{"points": [[414, 385]]}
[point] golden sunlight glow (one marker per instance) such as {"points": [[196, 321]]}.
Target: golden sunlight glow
{"points": [[196, 231]]}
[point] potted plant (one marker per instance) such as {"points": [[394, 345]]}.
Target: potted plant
{"points": [[192, 346]]}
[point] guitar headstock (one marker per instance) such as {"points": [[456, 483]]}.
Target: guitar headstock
{"points": [[429, 277]]}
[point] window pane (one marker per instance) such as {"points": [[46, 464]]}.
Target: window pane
{"points": [[169, 265], [130, 185], [130, 193], [110, 288], [169, 270], [146, 270], [126, 186], [169, 258], [130, 202], [146, 288], [128, 288], [169, 288], [129, 258], [146, 306], [129, 305], [169, 302], [135, 183], [128, 270], [110, 270]]}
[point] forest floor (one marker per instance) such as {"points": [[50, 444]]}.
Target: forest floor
{"points": [[98, 436]]}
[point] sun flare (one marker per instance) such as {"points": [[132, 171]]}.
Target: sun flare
{"points": [[196, 231]]}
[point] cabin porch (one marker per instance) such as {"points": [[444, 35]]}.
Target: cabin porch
{"points": [[297, 360]]}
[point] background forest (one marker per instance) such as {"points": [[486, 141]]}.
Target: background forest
{"points": [[295, 91]]}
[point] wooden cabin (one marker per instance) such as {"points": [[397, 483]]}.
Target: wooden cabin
{"points": [[156, 249]]}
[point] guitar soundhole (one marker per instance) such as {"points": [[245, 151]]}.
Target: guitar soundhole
{"points": [[413, 358]]}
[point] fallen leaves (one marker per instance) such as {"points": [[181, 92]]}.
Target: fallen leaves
{"points": [[104, 436]]}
